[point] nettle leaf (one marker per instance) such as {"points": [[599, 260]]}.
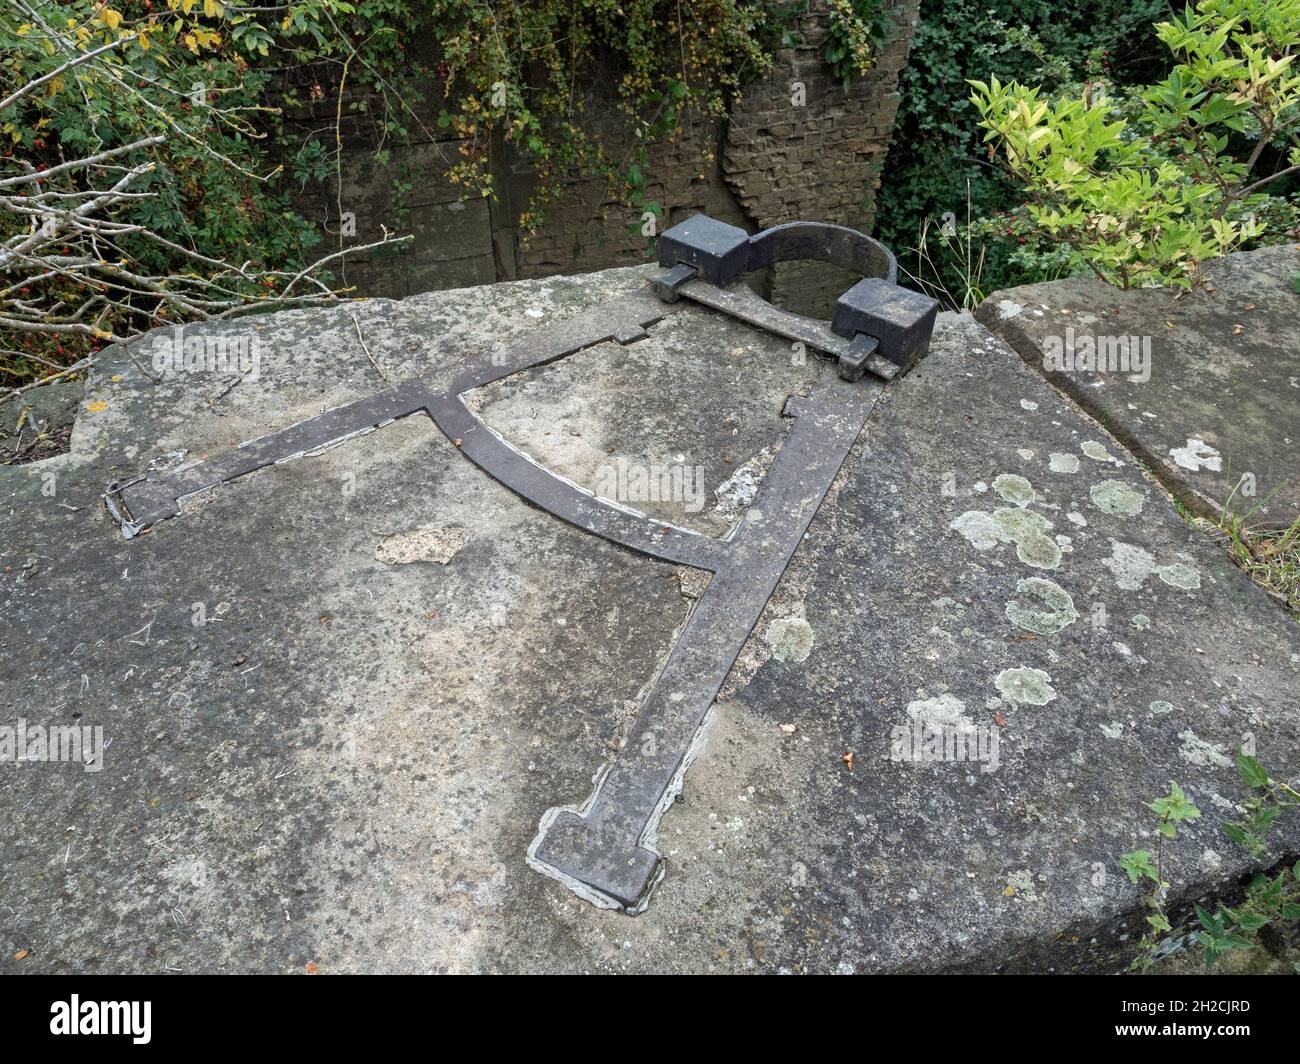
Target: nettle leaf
{"points": [[1212, 923], [1237, 834], [1174, 806], [1138, 864], [1252, 772], [1251, 922]]}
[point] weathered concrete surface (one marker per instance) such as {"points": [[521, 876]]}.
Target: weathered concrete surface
{"points": [[341, 692], [1222, 394], [37, 424]]}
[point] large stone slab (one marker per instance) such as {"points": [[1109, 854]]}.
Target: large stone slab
{"points": [[1213, 399], [340, 693]]}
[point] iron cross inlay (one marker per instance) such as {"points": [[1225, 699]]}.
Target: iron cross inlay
{"points": [[604, 848]]}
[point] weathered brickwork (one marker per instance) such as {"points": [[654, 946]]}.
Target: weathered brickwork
{"points": [[822, 160], [779, 157]]}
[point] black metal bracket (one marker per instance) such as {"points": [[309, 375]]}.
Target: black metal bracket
{"points": [[878, 326]]}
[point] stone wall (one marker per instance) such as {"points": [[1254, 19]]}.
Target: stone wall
{"points": [[797, 145], [821, 161]]}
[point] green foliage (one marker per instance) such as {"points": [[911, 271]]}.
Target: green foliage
{"points": [[511, 70], [209, 78], [188, 74], [856, 30], [1173, 809], [1147, 188], [1139, 865], [1268, 899], [937, 162]]}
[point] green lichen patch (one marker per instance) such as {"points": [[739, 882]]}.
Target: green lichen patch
{"points": [[1058, 607], [1140, 621], [1015, 489], [1039, 551], [1019, 524], [791, 639], [1116, 497], [1062, 463], [1095, 451], [1180, 576], [981, 530], [1130, 565], [1026, 686]]}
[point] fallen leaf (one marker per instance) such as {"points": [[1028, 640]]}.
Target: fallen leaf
{"points": [[847, 758], [787, 728], [999, 720], [312, 969], [20, 954]]}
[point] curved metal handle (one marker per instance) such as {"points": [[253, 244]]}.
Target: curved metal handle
{"points": [[821, 242]]}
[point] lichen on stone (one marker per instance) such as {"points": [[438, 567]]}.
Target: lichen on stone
{"points": [[1059, 611], [1038, 551], [1130, 565], [1116, 497], [791, 639], [1028, 686], [1095, 451], [980, 529], [1197, 455], [1180, 576], [1015, 489]]}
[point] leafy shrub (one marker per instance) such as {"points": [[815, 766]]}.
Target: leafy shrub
{"points": [[1146, 190], [937, 161]]}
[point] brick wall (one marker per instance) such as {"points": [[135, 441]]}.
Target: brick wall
{"points": [[822, 161], [772, 161]]}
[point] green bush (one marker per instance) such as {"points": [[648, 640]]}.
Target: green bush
{"points": [[938, 163], [1145, 189], [185, 95]]}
